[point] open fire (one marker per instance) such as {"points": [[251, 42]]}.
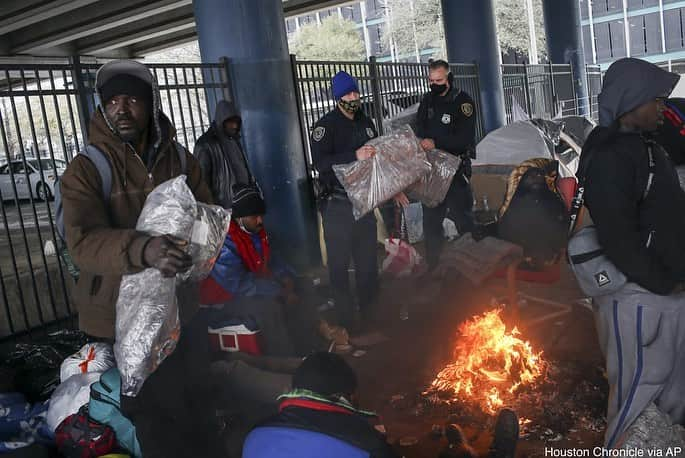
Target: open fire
{"points": [[490, 364]]}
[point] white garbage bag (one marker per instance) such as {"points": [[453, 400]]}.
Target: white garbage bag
{"points": [[69, 397], [92, 357]]}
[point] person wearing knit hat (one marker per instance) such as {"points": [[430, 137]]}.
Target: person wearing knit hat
{"points": [[340, 137], [130, 134], [249, 279]]}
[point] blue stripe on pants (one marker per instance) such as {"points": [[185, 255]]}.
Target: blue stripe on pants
{"points": [[619, 350], [636, 380]]}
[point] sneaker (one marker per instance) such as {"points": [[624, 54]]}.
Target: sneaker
{"points": [[506, 435]]}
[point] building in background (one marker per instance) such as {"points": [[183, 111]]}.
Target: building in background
{"points": [[370, 17], [653, 30]]}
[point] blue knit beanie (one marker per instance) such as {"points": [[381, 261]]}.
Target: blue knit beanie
{"points": [[343, 83]]}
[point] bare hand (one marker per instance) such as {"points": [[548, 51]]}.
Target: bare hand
{"points": [[427, 144], [365, 152], [165, 253], [401, 200]]}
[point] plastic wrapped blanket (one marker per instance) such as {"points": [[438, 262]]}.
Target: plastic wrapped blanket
{"points": [[432, 188], [398, 163], [147, 321]]}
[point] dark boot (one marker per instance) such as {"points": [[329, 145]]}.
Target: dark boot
{"points": [[457, 446], [506, 435]]}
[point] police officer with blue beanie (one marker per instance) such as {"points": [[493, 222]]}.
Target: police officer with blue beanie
{"points": [[340, 137]]}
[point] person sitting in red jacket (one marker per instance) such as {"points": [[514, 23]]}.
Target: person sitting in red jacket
{"points": [[248, 279]]}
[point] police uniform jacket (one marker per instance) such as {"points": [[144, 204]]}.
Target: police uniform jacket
{"points": [[335, 140], [449, 120]]}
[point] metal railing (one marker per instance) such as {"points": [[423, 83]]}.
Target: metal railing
{"points": [[45, 111], [44, 114], [545, 91]]}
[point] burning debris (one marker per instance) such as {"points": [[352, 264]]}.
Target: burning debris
{"points": [[490, 364], [493, 368]]}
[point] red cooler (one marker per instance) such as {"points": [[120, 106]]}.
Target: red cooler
{"points": [[233, 337]]}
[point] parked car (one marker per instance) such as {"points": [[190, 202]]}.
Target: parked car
{"points": [[36, 186]]}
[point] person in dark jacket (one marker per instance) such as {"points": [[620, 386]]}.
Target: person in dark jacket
{"points": [[138, 140], [221, 155], [671, 133], [340, 137], [446, 120], [318, 417], [638, 208]]}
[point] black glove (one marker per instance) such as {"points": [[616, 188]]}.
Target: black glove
{"points": [[165, 253]]}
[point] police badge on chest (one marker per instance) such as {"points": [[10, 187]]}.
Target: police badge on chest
{"points": [[446, 118], [369, 132]]}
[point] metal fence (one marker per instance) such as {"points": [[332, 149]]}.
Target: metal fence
{"points": [[44, 113], [544, 91], [45, 110], [540, 90], [386, 89]]}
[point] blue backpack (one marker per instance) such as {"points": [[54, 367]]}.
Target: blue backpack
{"points": [[105, 407]]}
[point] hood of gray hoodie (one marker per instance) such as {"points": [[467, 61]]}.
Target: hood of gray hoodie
{"points": [[629, 83], [225, 110]]}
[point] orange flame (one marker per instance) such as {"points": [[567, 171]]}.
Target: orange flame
{"points": [[489, 363]]}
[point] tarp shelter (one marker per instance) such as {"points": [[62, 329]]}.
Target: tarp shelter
{"points": [[560, 139]]}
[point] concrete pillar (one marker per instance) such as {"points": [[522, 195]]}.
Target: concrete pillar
{"points": [[565, 43], [252, 35], [471, 36]]}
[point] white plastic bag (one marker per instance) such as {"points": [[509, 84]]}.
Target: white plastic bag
{"points": [[398, 163], [92, 357], [69, 397], [402, 259], [413, 216]]}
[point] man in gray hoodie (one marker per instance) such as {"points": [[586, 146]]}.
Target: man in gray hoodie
{"points": [[221, 155], [638, 208]]}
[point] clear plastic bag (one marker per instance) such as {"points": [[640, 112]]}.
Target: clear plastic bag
{"points": [[398, 163], [147, 320], [92, 357], [406, 117], [207, 238], [432, 188]]}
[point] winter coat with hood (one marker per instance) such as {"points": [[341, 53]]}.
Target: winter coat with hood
{"points": [[642, 235], [221, 156], [101, 235]]}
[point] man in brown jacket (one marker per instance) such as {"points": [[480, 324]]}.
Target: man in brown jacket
{"points": [[170, 413]]}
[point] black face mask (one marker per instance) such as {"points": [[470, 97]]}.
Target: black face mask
{"points": [[437, 89]]}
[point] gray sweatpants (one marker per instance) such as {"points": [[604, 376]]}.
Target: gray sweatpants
{"points": [[642, 336]]}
